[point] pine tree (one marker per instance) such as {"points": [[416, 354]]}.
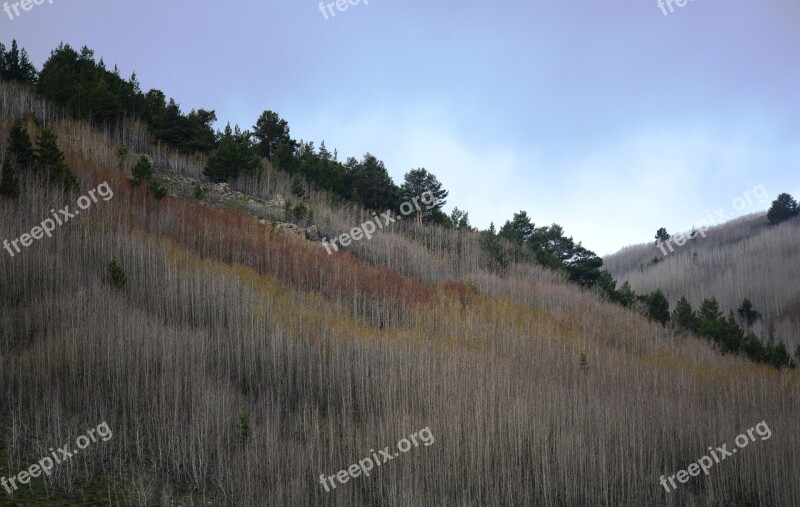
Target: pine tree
{"points": [[658, 307], [662, 235], [684, 317], [783, 208], [20, 148], [583, 362], [243, 426], [116, 275], [418, 182], [297, 186], [50, 160], [9, 186], [143, 170], [235, 154], [625, 295], [748, 313]]}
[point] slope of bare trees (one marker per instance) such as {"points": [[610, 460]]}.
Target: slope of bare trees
{"points": [[744, 258], [331, 356]]}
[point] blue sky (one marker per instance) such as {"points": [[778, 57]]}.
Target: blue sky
{"points": [[608, 118]]}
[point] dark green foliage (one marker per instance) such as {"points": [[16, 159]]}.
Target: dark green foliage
{"points": [[199, 193], [459, 219], [301, 211], [9, 186], [748, 313], [234, 155], [20, 147], [89, 91], [518, 230], [159, 191], [583, 362], [122, 154], [683, 317], [417, 182], [726, 333], [50, 160], [783, 208], [116, 275], [658, 307], [297, 186], [243, 426], [15, 65], [551, 248], [143, 170], [271, 131], [498, 261], [625, 295], [373, 185], [662, 235]]}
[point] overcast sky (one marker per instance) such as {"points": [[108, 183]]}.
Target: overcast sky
{"points": [[608, 118]]}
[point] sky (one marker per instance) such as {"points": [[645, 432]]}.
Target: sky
{"points": [[609, 118]]}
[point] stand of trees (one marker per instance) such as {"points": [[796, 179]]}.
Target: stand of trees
{"points": [[44, 159]]}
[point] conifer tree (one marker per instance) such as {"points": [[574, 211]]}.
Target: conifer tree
{"points": [[658, 307], [683, 316], [9, 186], [50, 160], [20, 148]]}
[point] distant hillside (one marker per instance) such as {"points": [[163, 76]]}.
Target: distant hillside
{"points": [[743, 258]]}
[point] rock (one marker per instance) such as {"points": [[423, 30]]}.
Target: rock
{"points": [[221, 188], [312, 233]]}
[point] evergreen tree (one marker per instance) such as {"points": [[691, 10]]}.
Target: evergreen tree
{"points": [[748, 313], [297, 186], [50, 160], [373, 185], [417, 182], [494, 250], [626, 295], [658, 307], [20, 148], [783, 208], [9, 186], [683, 316], [243, 426], [708, 320], [582, 361], [606, 286], [16, 66], [662, 235], [518, 230], [234, 155], [116, 275], [459, 219], [271, 131], [143, 170]]}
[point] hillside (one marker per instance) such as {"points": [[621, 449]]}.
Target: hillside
{"points": [[238, 362], [743, 258]]}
